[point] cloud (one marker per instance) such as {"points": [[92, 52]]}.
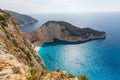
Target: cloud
{"points": [[60, 6]]}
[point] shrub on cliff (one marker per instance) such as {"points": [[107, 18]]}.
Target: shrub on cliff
{"points": [[2, 17]]}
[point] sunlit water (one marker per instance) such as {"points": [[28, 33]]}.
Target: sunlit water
{"points": [[98, 59]]}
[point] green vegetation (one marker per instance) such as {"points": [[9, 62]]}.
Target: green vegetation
{"points": [[54, 75], [73, 30], [16, 69], [67, 25], [67, 76], [6, 16], [33, 71], [16, 44], [34, 75], [83, 77], [2, 17], [28, 55]]}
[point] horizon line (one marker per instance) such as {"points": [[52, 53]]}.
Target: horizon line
{"points": [[63, 12]]}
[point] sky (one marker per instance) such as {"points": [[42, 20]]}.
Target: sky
{"points": [[60, 6]]}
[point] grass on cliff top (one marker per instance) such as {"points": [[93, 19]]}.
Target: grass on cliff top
{"points": [[54, 75], [4, 18]]}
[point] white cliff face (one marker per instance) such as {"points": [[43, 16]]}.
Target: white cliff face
{"points": [[11, 68], [64, 31]]}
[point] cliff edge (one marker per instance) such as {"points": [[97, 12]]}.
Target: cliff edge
{"points": [[17, 56], [64, 31]]}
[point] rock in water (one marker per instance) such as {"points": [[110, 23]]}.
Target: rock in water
{"points": [[64, 31]]}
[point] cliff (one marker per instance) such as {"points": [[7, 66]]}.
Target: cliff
{"points": [[16, 52], [18, 59], [22, 19], [64, 31]]}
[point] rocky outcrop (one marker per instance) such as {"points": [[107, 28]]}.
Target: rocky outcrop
{"points": [[22, 19], [64, 31], [18, 59], [17, 55]]}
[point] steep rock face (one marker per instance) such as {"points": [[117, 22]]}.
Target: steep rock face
{"points": [[64, 31], [22, 19], [17, 56]]}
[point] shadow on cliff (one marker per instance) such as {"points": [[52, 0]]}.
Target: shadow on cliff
{"points": [[59, 42]]}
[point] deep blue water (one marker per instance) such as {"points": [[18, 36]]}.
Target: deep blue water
{"points": [[98, 59]]}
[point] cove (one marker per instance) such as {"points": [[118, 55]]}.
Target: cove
{"points": [[96, 59]]}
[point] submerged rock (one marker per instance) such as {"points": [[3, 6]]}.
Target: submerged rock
{"points": [[64, 31]]}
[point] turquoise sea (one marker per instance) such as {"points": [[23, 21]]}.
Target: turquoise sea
{"points": [[98, 59]]}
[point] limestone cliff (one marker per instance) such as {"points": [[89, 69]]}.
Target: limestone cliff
{"points": [[64, 31], [18, 60], [15, 49]]}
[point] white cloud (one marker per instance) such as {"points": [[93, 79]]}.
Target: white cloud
{"points": [[52, 6]]}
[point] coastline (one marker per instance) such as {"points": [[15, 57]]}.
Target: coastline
{"points": [[36, 48], [27, 23], [37, 45]]}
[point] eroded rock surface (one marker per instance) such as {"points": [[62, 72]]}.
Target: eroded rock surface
{"points": [[64, 31]]}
